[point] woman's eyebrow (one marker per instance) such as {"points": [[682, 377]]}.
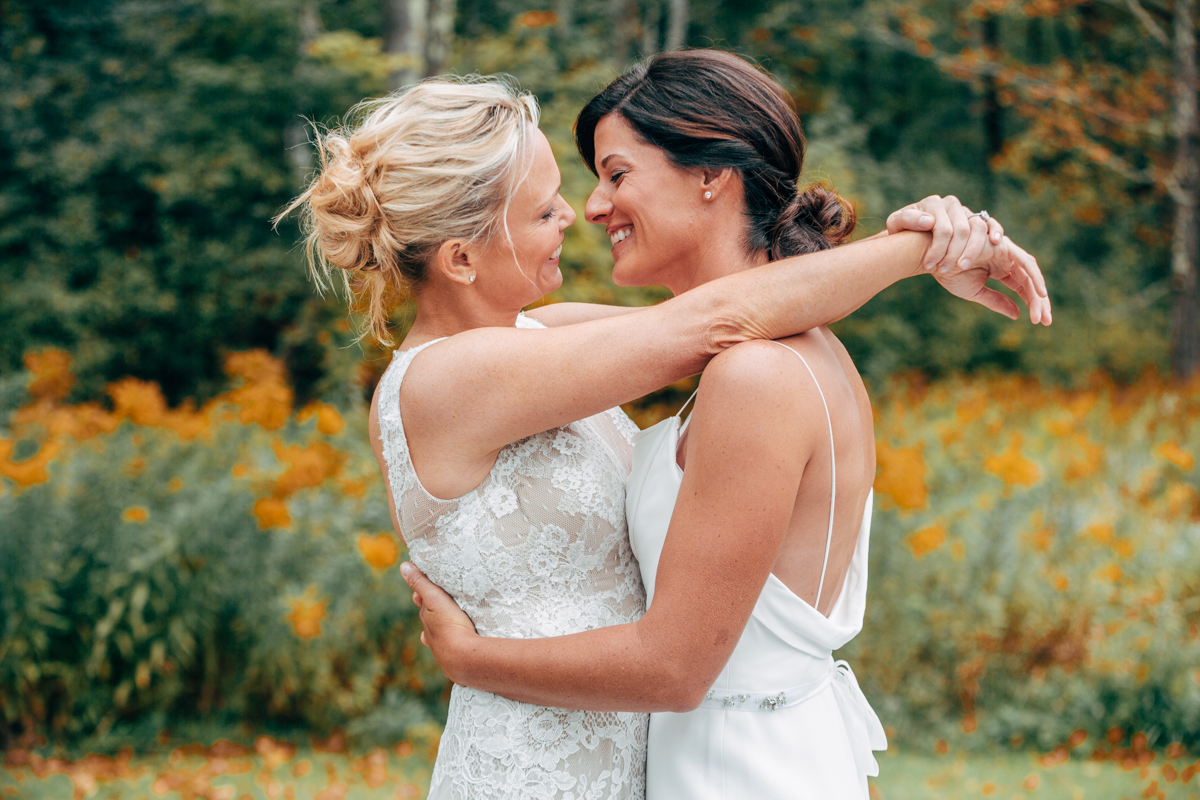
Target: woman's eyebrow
{"points": [[607, 158]]}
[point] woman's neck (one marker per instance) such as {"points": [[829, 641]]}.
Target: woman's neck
{"points": [[715, 260], [442, 313]]}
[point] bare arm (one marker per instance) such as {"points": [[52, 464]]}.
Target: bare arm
{"points": [[745, 442], [555, 315], [468, 396]]}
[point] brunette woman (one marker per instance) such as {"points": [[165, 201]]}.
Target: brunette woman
{"points": [[762, 571]]}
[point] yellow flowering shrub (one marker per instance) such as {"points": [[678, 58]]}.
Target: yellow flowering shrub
{"points": [[191, 560], [1035, 561]]}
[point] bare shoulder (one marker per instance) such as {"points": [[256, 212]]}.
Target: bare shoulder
{"points": [[758, 379]]}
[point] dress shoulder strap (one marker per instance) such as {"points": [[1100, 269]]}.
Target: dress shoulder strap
{"points": [[833, 470], [684, 406]]}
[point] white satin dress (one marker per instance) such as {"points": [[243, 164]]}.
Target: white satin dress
{"points": [[783, 719]]}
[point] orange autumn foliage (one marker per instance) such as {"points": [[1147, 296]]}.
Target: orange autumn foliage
{"points": [[307, 466], [264, 396], [306, 615], [926, 540], [33, 469], [380, 550], [901, 475], [329, 421], [1172, 452], [1012, 467], [52, 378], [135, 514], [272, 513]]}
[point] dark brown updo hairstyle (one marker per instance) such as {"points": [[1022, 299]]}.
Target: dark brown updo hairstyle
{"points": [[711, 109]]}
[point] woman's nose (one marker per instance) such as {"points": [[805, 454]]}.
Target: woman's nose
{"points": [[599, 205], [569, 216]]}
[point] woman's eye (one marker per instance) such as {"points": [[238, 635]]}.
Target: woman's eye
{"points": [[616, 176], [549, 213]]}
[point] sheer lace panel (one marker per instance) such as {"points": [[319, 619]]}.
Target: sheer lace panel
{"points": [[539, 548]]}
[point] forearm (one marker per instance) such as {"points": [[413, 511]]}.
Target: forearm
{"points": [[576, 371], [554, 315], [797, 294], [607, 669]]}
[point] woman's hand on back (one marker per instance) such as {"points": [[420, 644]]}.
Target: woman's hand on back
{"points": [[446, 626]]}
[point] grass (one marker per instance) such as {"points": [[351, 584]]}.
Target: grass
{"points": [[267, 768], [1027, 776]]}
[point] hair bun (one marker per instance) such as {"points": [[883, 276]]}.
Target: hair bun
{"points": [[816, 219], [347, 216], [405, 174]]}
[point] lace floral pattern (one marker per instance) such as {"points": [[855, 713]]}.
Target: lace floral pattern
{"points": [[540, 548]]}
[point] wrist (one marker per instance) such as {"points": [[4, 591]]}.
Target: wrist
{"points": [[457, 657]]}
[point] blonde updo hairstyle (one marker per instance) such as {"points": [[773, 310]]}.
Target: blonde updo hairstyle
{"points": [[436, 161]]}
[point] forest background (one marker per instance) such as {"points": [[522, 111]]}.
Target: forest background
{"points": [[192, 526]]}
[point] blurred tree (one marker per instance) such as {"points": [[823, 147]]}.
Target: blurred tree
{"points": [[406, 26], [1097, 106], [144, 144], [142, 155]]}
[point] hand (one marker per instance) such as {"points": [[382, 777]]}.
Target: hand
{"points": [[447, 626], [958, 237], [1013, 267]]}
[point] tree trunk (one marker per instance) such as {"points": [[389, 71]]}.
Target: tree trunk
{"points": [[1185, 358], [618, 23], [993, 120], [295, 134], [563, 27], [651, 21], [440, 39], [677, 29], [405, 25]]}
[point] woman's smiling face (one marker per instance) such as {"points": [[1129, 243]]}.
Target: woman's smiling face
{"points": [[650, 208], [537, 218]]}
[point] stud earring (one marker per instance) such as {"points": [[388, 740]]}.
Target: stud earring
{"points": [[708, 195], [472, 278]]}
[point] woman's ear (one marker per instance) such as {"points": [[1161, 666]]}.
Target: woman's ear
{"points": [[715, 182], [456, 259]]}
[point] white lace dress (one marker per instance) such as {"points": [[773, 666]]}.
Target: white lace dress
{"points": [[540, 548]]}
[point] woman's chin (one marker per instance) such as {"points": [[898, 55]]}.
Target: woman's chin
{"points": [[550, 280], [623, 275]]}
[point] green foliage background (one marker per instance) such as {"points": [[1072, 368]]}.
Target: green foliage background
{"points": [[145, 146]]}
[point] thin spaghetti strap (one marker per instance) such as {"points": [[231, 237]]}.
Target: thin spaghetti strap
{"points": [[685, 405], [833, 470]]}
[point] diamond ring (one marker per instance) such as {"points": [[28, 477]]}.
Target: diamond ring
{"points": [[983, 215]]}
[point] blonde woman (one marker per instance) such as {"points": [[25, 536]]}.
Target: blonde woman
{"points": [[498, 434]]}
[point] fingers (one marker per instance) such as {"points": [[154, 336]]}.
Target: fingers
{"points": [[998, 302], [995, 230], [1024, 266], [960, 232], [976, 241], [412, 576], [1020, 282], [942, 231], [1029, 265], [909, 218]]}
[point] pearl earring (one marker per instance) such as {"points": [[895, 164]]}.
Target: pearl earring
{"points": [[471, 279], [708, 195]]}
